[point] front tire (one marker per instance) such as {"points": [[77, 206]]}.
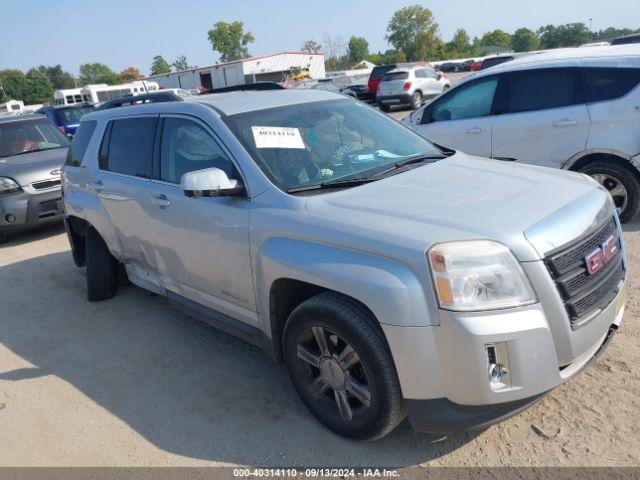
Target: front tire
{"points": [[341, 367], [101, 268], [621, 182], [416, 100]]}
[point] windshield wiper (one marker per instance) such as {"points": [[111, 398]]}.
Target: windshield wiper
{"points": [[403, 163], [353, 182]]}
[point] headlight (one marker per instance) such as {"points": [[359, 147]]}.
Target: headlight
{"points": [[478, 275], [8, 185]]}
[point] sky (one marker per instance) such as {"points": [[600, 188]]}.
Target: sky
{"points": [[123, 33]]}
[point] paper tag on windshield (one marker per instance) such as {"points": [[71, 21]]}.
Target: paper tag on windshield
{"points": [[277, 137]]}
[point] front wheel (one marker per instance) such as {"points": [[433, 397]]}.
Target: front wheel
{"points": [[621, 183], [416, 100], [341, 367]]}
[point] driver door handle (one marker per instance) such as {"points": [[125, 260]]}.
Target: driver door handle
{"points": [[161, 201], [475, 130], [565, 123]]}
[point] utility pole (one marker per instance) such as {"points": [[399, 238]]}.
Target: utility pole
{"points": [[4, 94]]}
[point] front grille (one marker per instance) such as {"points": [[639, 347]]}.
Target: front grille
{"points": [[45, 184], [581, 292]]}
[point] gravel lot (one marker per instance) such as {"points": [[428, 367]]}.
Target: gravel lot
{"points": [[131, 382]]}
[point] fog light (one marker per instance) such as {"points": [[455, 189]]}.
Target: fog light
{"points": [[10, 218], [498, 365]]}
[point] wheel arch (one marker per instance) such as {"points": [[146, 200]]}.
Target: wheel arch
{"points": [[76, 228], [582, 159], [286, 294]]}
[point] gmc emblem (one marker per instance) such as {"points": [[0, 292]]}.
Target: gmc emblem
{"points": [[602, 255]]}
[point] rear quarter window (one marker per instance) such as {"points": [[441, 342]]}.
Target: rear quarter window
{"points": [[395, 76], [609, 83], [78, 148], [127, 146]]}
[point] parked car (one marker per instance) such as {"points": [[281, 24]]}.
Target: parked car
{"points": [[466, 66], [494, 61], [32, 151], [575, 109], [376, 77], [391, 276], [66, 117], [410, 86], [448, 67], [626, 40]]}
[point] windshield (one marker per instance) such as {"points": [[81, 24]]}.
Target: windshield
{"points": [[24, 136], [73, 115], [312, 143]]}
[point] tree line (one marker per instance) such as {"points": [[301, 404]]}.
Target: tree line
{"points": [[414, 35]]}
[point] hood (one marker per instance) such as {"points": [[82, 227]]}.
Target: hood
{"points": [[32, 167], [463, 197]]}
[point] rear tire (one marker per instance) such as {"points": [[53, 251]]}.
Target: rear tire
{"points": [[416, 100], [621, 182], [384, 107], [341, 367], [101, 268]]}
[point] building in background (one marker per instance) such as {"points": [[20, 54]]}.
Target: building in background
{"points": [[277, 67]]}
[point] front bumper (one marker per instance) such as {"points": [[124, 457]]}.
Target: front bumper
{"points": [[444, 369], [28, 208], [399, 99]]}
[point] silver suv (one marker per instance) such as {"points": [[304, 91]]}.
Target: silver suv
{"points": [[391, 276], [410, 86]]}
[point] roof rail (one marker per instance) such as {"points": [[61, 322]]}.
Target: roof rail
{"points": [[246, 87], [156, 97]]}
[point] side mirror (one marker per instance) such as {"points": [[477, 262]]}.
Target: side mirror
{"points": [[210, 182]]}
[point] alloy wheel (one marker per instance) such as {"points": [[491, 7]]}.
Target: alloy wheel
{"points": [[336, 377], [615, 188]]}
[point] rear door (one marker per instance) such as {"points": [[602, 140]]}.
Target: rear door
{"points": [[122, 181], [429, 84], [544, 118], [462, 118]]}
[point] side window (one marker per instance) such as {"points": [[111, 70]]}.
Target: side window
{"points": [[609, 83], [420, 74], [469, 101], [127, 147], [76, 152], [428, 73], [541, 89], [186, 147]]}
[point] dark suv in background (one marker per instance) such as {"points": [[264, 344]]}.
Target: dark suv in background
{"points": [[66, 117]]}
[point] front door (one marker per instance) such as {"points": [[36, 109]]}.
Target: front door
{"points": [[201, 244], [462, 118]]}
